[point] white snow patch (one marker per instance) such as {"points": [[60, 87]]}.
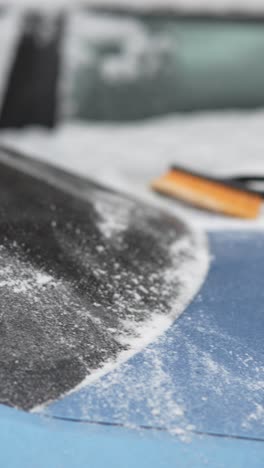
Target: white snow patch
{"points": [[21, 277], [257, 415], [113, 219], [43, 278]]}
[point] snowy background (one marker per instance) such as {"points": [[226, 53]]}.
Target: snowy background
{"points": [[129, 156]]}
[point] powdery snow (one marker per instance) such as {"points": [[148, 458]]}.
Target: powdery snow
{"points": [[127, 157], [22, 278]]}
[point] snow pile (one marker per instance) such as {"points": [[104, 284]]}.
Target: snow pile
{"points": [[128, 156]]}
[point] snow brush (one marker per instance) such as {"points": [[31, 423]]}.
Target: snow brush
{"points": [[233, 196]]}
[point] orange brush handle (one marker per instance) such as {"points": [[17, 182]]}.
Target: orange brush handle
{"points": [[209, 194]]}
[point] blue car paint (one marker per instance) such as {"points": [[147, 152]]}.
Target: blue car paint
{"points": [[29, 441]]}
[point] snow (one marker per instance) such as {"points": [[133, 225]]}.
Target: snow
{"points": [[21, 278], [129, 156], [256, 415], [189, 264], [43, 278], [136, 316], [162, 403]]}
